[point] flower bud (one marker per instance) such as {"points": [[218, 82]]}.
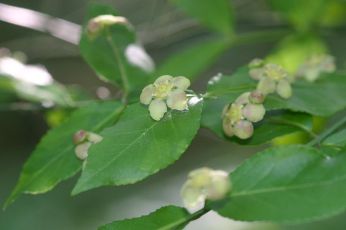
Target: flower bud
{"points": [[200, 177], [256, 97], [284, 89], [80, 136], [255, 63], [193, 198], [97, 24], [219, 186], [254, 112], [243, 99], [243, 129], [81, 150]]}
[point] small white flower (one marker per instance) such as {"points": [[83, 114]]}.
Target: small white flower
{"points": [[238, 117], [81, 150], [314, 66], [165, 91], [203, 184]]}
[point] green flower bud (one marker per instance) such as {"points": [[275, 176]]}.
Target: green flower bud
{"points": [[284, 89], [243, 129], [256, 97], [254, 112], [157, 109]]}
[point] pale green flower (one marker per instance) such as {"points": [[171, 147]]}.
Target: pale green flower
{"points": [[166, 91], [238, 117], [203, 184], [272, 78], [313, 67]]}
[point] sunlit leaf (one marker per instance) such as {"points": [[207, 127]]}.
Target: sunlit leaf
{"points": [[54, 159], [288, 184], [137, 146]]}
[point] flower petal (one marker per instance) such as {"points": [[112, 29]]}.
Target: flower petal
{"points": [[243, 129], [243, 99], [164, 79], [177, 99], [157, 109], [94, 138], [219, 186], [181, 82], [254, 112], [193, 198], [284, 89], [266, 86], [147, 94]]}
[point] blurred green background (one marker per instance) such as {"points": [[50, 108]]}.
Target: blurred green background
{"points": [[163, 30]]}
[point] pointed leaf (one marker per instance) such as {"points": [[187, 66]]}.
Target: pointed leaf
{"points": [[54, 159], [169, 217], [137, 146], [115, 53], [288, 184]]}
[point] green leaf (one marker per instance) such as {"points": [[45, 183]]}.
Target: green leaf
{"points": [[287, 184], [295, 11], [321, 98], [337, 139], [137, 147], [169, 217], [193, 60], [115, 53], [216, 14], [54, 159]]}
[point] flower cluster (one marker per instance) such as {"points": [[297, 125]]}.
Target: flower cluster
{"points": [[237, 118], [312, 68], [202, 184], [83, 140], [272, 78], [166, 91]]}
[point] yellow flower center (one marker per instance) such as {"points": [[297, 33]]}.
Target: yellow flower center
{"points": [[162, 90]]}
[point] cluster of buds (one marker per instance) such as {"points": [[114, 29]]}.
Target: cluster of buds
{"points": [[312, 68], [99, 23], [203, 184], [166, 91], [83, 140], [237, 118], [272, 78]]}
